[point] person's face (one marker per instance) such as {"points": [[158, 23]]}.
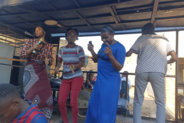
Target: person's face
{"points": [[9, 111], [91, 77], [39, 32], [71, 37], [107, 37]]}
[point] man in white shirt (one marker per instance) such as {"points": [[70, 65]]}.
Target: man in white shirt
{"points": [[151, 67]]}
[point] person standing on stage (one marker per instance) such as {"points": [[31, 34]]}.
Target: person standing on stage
{"points": [[36, 83], [104, 98], [73, 59], [151, 67]]}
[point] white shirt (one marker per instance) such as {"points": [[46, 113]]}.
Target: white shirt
{"points": [[152, 53]]}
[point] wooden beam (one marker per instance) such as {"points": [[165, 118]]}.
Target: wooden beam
{"points": [[18, 17], [114, 9], [83, 9], [13, 59], [116, 19], [34, 10], [123, 22], [51, 6], [112, 13], [77, 3], [78, 14], [80, 9], [46, 16], [25, 10], [154, 13]]}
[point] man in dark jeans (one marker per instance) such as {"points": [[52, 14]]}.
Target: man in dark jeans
{"points": [[152, 63]]}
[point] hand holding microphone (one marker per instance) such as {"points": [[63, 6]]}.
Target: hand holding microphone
{"points": [[36, 46]]}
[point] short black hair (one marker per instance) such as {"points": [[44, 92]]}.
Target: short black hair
{"points": [[7, 91], [91, 72], [125, 72], [48, 36], [69, 29], [107, 28], [148, 28]]}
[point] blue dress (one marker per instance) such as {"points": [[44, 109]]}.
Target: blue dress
{"points": [[104, 98]]}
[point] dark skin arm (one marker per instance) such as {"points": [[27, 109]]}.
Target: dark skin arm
{"points": [[79, 65], [129, 53], [95, 57], [173, 54], [29, 51], [58, 65], [89, 83], [114, 62], [173, 59]]}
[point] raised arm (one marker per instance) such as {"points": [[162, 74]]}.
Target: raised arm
{"points": [[134, 48], [129, 53], [172, 53], [118, 61], [95, 57], [27, 49], [173, 58]]}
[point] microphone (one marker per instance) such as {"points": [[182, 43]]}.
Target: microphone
{"points": [[41, 40], [90, 42]]}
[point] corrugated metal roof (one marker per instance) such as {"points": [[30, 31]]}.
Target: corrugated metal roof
{"points": [[91, 15]]}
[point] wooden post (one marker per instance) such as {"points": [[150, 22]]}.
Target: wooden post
{"points": [[176, 80]]}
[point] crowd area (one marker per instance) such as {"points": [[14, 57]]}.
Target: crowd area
{"points": [[108, 86]]}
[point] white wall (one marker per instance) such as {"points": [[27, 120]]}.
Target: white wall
{"points": [[6, 51]]}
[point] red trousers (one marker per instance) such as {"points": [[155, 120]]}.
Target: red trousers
{"points": [[74, 85]]}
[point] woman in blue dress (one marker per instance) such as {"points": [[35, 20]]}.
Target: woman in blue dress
{"points": [[104, 99]]}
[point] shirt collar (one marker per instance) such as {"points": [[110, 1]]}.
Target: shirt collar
{"points": [[30, 107], [67, 46]]}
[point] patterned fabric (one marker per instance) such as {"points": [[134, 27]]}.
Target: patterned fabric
{"points": [[29, 78], [46, 50], [71, 56], [37, 86], [152, 53], [31, 115]]}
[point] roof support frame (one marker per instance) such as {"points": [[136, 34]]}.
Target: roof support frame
{"points": [[116, 18], [155, 8], [80, 16], [51, 6], [45, 16], [77, 3]]}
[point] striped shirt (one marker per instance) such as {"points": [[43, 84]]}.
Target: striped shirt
{"points": [[31, 115], [152, 53], [69, 56]]}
